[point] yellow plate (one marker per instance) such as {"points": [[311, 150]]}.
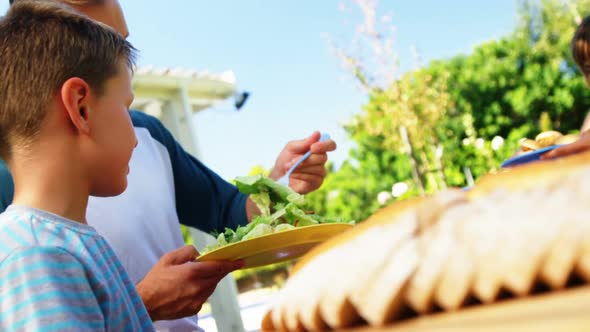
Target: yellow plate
{"points": [[276, 247]]}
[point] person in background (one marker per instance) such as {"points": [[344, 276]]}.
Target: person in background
{"points": [[167, 187], [581, 53], [71, 100]]}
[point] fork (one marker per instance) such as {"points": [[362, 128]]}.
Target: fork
{"points": [[285, 179]]}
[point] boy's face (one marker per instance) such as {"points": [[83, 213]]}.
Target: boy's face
{"points": [[113, 136]]}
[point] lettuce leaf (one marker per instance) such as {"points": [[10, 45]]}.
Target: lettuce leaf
{"points": [[262, 201], [278, 193], [259, 230]]}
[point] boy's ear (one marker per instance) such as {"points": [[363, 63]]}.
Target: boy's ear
{"points": [[74, 95]]}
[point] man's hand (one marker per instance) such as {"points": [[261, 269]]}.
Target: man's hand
{"points": [[308, 176], [177, 286], [581, 145]]}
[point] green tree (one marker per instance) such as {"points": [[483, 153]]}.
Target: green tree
{"points": [[511, 83]]}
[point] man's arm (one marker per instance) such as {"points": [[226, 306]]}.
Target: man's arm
{"points": [[207, 202], [579, 146], [6, 187]]}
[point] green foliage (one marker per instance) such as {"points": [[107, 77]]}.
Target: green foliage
{"points": [[186, 235], [258, 170]]}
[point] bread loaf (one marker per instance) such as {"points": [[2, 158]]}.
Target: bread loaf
{"points": [[513, 231]]}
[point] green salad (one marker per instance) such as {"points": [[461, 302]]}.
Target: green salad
{"points": [[280, 207]]}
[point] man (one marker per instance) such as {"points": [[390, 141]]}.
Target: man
{"points": [[166, 187]]}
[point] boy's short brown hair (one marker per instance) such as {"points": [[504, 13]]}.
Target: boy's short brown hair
{"points": [[43, 44], [581, 47]]}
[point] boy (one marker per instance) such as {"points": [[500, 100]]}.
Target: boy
{"points": [[65, 134]]}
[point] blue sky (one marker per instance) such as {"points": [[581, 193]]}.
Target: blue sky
{"points": [[279, 52]]}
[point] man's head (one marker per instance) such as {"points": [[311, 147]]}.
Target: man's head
{"points": [[581, 47], [64, 74], [108, 12]]}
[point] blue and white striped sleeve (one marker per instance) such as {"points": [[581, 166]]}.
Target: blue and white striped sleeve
{"points": [[47, 289]]}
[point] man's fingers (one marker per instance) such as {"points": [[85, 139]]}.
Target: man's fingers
{"points": [[205, 291], [181, 255], [564, 151], [204, 284], [323, 147], [313, 160], [309, 181], [306, 173], [302, 146], [201, 295], [214, 269]]}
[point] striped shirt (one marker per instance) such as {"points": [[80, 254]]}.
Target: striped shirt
{"points": [[60, 275]]}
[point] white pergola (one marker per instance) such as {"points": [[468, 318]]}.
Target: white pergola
{"points": [[174, 96]]}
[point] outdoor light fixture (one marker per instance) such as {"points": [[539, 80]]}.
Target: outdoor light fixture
{"points": [[241, 99]]}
